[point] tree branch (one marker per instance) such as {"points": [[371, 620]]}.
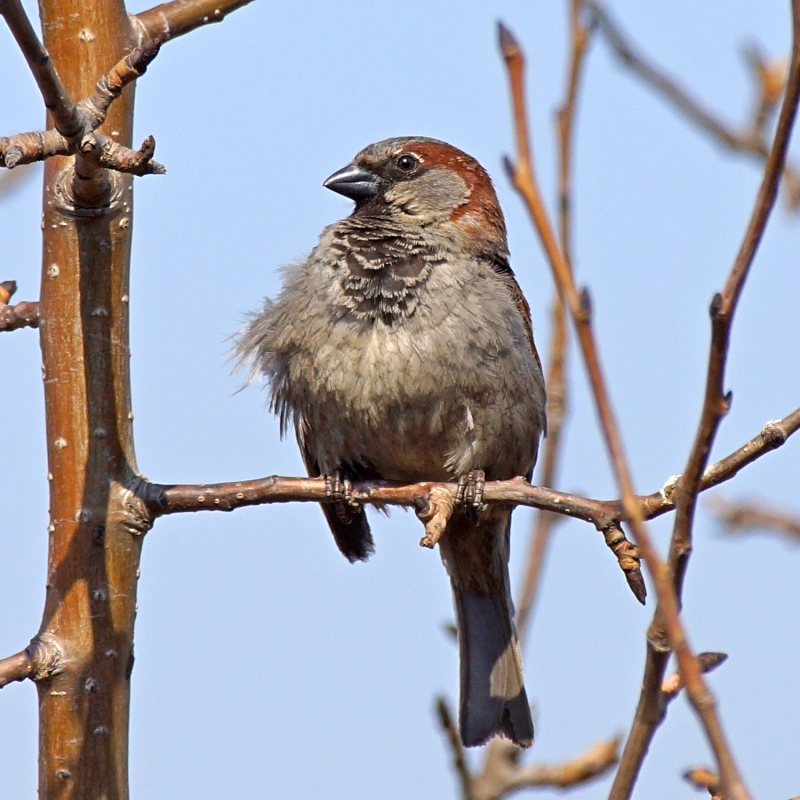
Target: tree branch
{"points": [[557, 390], [21, 315], [57, 100], [524, 180], [686, 488], [704, 778], [163, 499], [16, 668], [41, 659], [749, 517], [170, 20], [450, 729], [503, 774], [76, 124], [750, 139]]}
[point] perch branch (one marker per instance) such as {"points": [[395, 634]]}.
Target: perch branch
{"points": [[163, 499], [170, 20], [524, 180], [21, 315], [751, 139]]}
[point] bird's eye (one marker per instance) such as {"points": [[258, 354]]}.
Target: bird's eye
{"points": [[407, 163]]}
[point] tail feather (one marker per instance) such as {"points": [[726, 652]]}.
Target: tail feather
{"points": [[352, 535], [493, 697]]}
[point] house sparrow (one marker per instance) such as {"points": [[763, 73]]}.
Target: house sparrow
{"points": [[401, 349]]}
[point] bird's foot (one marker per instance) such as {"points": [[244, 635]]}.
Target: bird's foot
{"points": [[339, 492], [469, 495]]}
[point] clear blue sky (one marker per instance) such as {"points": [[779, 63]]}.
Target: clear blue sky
{"points": [[266, 665]]}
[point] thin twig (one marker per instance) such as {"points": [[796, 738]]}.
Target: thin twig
{"points": [[750, 139], [57, 100], [94, 151], [673, 685], [557, 390], [523, 178], [16, 668], [704, 778], [170, 20], [450, 728], [21, 315], [747, 517], [504, 775], [163, 499], [689, 484]]}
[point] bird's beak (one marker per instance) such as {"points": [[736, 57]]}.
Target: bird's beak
{"points": [[354, 182]]}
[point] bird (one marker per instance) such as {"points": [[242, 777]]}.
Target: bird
{"points": [[402, 349]]}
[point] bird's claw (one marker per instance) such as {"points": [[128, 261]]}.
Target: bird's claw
{"points": [[339, 492], [469, 494]]}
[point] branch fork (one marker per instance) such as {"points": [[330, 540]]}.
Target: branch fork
{"points": [[75, 132]]}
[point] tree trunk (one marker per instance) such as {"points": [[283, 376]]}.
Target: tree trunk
{"points": [[96, 524]]}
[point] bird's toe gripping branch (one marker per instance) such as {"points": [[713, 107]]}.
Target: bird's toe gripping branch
{"points": [[435, 510]]}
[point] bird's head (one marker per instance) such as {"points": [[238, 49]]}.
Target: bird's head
{"points": [[425, 183]]}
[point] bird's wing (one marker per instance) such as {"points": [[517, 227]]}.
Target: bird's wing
{"points": [[349, 526], [503, 268]]}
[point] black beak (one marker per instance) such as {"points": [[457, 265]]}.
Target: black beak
{"points": [[354, 182]]}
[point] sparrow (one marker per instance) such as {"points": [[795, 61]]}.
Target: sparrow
{"points": [[402, 349]]}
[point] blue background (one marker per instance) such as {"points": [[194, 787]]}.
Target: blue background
{"points": [[266, 665]]}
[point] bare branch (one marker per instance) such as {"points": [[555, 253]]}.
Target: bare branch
{"points": [[62, 107], [16, 668], [672, 686], [750, 517], [523, 178], [41, 659], [704, 778], [21, 315], [170, 20], [686, 488], [94, 151], [751, 139], [110, 86], [450, 728], [557, 390], [503, 773], [163, 499]]}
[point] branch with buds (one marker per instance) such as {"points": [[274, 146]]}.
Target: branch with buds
{"points": [[76, 124], [502, 773], [21, 315]]}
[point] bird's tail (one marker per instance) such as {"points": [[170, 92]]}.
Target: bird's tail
{"points": [[493, 698]]}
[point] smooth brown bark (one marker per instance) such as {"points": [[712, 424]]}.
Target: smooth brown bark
{"points": [[95, 525]]}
